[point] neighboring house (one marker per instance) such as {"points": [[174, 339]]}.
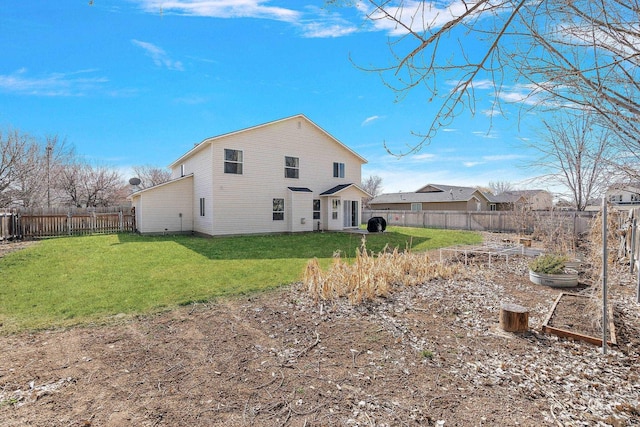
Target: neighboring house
{"points": [[535, 200], [624, 195], [433, 197], [287, 175]]}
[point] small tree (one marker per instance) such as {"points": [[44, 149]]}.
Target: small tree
{"points": [[499, 187], [373, 186], [576, 154], [83, 185], [150, 175]]}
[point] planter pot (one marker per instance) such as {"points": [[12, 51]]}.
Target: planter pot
{"points": [[566, 280], [574, 265]]}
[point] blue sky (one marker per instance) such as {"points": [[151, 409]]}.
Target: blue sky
{"points": [[140, 81]]}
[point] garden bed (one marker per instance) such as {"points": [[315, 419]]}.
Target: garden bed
{"points": [[572, 316]]}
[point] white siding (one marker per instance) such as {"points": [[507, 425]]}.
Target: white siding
{"points": [[167, 208], [243, 204], [299, 214], [200, 166]]}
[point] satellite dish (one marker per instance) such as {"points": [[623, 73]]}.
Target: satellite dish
{"points": [[135, 181]]}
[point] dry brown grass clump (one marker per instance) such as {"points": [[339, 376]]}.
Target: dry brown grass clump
{"points": [[371, 276]]}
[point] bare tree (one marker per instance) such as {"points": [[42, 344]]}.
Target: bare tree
{"points": [[27, 168], [372, 185], [579, 54], [499, 187], [151, 175], [574, 154], [83, 185], [14, 151]]}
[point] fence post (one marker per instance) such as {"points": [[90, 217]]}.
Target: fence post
{"points": [[120, 221], [633, 245], [69, 221]]}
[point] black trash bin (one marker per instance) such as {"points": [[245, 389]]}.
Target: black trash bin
{"points": [[377, 224]]}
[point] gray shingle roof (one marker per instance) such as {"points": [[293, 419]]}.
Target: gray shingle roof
{"points": [[442, 194], [335, 189]]}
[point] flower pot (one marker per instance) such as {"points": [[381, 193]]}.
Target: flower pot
{"points": [[573, 264], [565, 280]]}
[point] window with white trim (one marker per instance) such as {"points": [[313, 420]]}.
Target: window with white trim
{"points": [[316, 208], [335, 205], [278, 209], [416, 207], [233, 161], [338, 170], [291, 167]]}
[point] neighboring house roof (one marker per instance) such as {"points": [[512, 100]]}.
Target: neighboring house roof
{"points": [[208, 141], [137, 193], [338, 188], [438, 188], [503, 198], [430, 194]]}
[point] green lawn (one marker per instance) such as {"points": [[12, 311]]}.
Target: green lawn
{"points": [[78, 280]]}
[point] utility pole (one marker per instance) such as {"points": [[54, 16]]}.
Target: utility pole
{"points": [[49, 149]]}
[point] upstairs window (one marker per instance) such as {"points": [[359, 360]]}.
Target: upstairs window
{"points": [[338, 170], [233, 161], [316, 208], [291, 167], [278, 209]]}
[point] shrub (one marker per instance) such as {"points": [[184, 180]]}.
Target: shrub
{"points": [[548, 264]]}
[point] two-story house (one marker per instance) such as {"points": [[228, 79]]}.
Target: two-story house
{"points": [[288, 175], [624, 194]]}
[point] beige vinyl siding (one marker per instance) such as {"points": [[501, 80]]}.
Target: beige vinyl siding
{"points": [[200, 166], [158, 210], [243, 203], [299, 211]]}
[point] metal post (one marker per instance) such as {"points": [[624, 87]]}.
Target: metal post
{"points": [[604, 276], [632, 255], [49, 149]]}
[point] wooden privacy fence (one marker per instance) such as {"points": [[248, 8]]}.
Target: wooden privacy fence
{"points": [[496, 221], [19, 225]]}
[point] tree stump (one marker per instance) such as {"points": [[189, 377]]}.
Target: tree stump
{"points": [[514, 318]]}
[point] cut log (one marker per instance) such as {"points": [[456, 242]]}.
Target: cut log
{"points": [[514, 318]]}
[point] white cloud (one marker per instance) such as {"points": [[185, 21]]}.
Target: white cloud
{"points": [[370, 120], [313, 22], [471, 164], [221, 9], [324, 30], [485, 134], [159, 56], [77, 83], [425, 156], [491, 113], [416, 15]]}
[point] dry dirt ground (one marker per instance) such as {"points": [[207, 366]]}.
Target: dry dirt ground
{"points": [[427, 355]]}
